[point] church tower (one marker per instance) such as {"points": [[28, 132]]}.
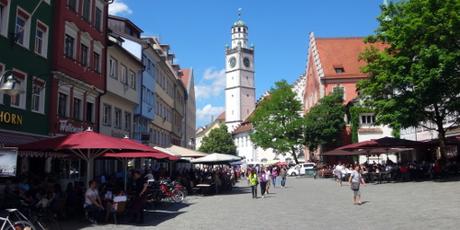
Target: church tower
{"points": [[240, 95]]}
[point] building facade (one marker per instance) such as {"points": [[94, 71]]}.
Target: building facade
{"points": [[121, 97], [78, 62], [25, 41], [167, 125], [333, 64], [240, 97], [186, 76]]}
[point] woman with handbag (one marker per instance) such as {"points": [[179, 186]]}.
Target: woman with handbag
{"points": [[355, 181]]}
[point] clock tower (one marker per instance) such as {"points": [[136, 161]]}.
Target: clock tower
{"points": [[240, 95]]}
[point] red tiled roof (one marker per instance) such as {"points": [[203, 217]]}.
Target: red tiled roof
{"points": [[186, 75], [342, 53], [221, 117], [243, 127]]}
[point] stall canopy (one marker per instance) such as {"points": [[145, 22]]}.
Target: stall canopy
{"points": [[184, 152], [216, 158]]}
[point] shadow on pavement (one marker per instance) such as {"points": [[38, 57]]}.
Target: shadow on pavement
{"points": [[153, 216]]}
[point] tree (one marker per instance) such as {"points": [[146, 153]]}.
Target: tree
{"points": [[218, 141], [325, 121], [277, 122], [415, 80]]}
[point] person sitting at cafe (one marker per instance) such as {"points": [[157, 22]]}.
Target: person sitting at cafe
{"points": [[93, 204]]}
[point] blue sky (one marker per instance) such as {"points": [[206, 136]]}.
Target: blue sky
{"points": [[198, 30]]}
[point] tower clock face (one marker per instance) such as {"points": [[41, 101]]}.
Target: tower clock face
{"points": [[232, 62], [246, 62]]}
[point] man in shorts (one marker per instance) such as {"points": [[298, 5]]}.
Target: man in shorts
{"points": [[355, 181]]}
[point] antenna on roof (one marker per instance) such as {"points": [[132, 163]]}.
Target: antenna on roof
{"points": [[239, 13]]}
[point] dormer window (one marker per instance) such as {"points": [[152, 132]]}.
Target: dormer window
{"points": [[339, 69]]}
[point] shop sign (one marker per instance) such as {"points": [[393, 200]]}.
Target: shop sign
{"points": [[67, 127], [10, 118]]}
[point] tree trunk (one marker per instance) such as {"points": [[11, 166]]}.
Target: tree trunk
{"points": [[442, 141], [441, 132], [294, 155]]}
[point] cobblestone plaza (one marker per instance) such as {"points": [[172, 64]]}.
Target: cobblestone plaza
{"points": [[313, 204]]}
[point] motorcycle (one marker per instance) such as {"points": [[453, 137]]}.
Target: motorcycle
{"points": [[165, 190]]}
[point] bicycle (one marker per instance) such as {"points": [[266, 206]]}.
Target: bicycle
{"points": [[15, 220]]}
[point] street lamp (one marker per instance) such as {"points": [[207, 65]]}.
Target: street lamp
{"points": [[11, 86]]}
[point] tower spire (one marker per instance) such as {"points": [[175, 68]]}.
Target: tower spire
{"points": [[239, 13]]}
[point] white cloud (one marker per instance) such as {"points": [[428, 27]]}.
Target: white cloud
{"points": [[213, 83], [119, 7], [208, 112]]}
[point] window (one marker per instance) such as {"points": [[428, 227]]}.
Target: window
{"points": [[117, 118], [72, 4], [21, 29], [124, 75], [38, 97], [132, 79], [19, 100], [97, 62], [107, 118], [3, 17], [113, 68], [84, 55], [41, 39], [89, 112], [339, 89], [1, 94], [339, 69], [98, 19], [367, 119], [86, 10], [77, 108], [62, 105], [69, 46], [127, 121]]}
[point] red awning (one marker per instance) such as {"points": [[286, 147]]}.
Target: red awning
{"points": [[154, 154]]}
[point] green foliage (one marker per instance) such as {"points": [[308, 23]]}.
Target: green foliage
{"points": [[355, 111], [325, 121], [218, 141], [416, 79], [277, 122]]}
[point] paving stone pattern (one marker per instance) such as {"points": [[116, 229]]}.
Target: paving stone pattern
{"points": [[312, 204]]}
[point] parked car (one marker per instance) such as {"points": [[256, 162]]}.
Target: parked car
{"points": [[301, 169]]}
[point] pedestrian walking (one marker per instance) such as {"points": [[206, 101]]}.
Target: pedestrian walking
{"points": [[283, 174], [139, 189], [274, 176], [268, 178], [263, 182], [253, 182], [355, 181], [338, 173]]}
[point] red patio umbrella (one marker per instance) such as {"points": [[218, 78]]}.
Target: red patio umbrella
{"points": [[124, 156], [153, 154], [87, 145], [382, 143]]}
